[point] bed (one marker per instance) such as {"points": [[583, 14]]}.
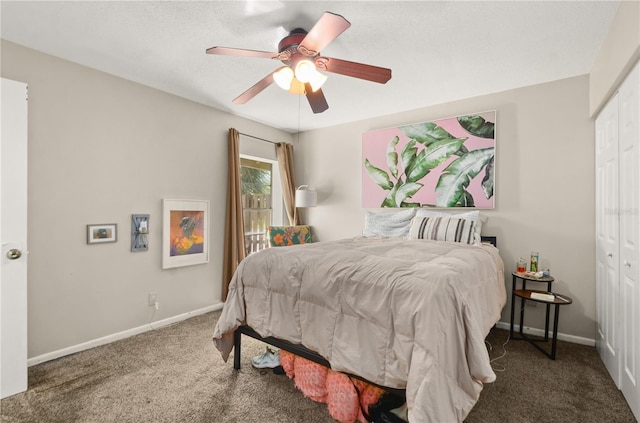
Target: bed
{"points": [[401, 313]]}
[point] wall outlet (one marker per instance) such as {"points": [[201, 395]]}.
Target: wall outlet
{"points": [[153, 299]]}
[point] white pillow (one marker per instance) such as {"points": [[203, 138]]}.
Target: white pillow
{"points": [[443, 228], [388, 224], [474, 216]]}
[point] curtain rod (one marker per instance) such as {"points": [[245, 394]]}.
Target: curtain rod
{"points": [[257, 138]]}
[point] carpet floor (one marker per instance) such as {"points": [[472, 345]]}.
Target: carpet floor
{"points": [[174, 375]]}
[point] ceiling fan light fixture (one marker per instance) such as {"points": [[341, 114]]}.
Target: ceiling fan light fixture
{"points": [[305, 70], [299, 51], [283, 77], [297, 87], [317, 81]]}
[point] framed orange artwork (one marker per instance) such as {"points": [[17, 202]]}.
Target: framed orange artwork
{"points": [[185, 232]]}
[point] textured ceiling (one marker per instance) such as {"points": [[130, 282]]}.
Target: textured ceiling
{"points": [[439, 51]]}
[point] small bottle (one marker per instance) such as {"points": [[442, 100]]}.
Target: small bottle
{"points": [[521, 266], [534, 261]]}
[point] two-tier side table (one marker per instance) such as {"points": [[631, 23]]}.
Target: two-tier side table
{"points": [[526, 295]]}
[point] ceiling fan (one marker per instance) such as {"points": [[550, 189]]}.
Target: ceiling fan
{"points": [[300, 53]]}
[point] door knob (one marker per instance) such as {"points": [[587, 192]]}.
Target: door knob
{"points": [[609, 254], [627, 263], [14, 254]]}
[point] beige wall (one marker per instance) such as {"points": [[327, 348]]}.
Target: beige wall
{"points": [[100, 149], [544, 185], [619, 52]]}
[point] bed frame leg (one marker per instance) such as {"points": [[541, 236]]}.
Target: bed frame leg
{"points": [[236, 349]]}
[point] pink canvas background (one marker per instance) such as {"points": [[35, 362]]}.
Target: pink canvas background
{"points": [[374, 147]]}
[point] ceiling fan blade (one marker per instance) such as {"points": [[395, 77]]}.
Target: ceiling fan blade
{"points": [[255, 90], [327, 29], [316, 99], [353, 69], [228, 51]]}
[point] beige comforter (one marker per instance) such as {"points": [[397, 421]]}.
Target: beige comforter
{"points": [[401, 313]]}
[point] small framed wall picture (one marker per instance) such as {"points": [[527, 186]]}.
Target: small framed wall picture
{"points": [[97, 234]]}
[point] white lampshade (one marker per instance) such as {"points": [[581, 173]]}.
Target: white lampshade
{"points": [[283, 77], [317, 80], [306, 197], [305, 70]]}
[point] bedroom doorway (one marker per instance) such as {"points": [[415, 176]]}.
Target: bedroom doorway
{"points": [[13, 233]]}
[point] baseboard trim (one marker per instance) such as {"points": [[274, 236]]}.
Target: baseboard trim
{"points": [[215, 307], [540, 332], [122, 335]]}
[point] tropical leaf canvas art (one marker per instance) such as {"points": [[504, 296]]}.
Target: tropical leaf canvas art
{"points": [[443, 163]]}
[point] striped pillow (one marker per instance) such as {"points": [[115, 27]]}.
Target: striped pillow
{"points": [[443, 229]]}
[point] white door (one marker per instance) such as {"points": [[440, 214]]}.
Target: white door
{"points": [[629, 135], [13, 233], [607, 259]]}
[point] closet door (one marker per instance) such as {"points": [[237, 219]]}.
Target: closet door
{"points": [[629, 160], [607, 258]]}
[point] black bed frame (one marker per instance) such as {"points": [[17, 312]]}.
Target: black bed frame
{"points": [[297, 349], [301, 350]]}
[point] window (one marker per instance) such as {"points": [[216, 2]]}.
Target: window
{"points": [[261, 200]]}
